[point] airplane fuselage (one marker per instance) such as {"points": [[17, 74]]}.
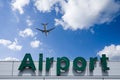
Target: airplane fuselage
{"points": [[45, 29]]}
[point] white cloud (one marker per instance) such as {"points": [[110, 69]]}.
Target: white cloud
{"points": [[5, 42], [9, 59], [19, 4], [26, 33], [82, 14], [29, 21], [112, 51], [35, 43], [45, 5], [14, 46], [62, 23], [11, 45]]}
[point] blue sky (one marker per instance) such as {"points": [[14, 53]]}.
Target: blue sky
{"points": [[83, 28]]}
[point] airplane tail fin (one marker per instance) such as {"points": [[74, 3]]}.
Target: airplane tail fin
{"points": [[44, 23]]}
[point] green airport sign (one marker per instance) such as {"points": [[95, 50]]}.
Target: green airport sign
{"points": [[63, 63]]}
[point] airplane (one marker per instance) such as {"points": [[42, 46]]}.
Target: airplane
{"points": [[46, 31]]}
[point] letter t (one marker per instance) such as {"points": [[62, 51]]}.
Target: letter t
{"points": [[104, 62]]}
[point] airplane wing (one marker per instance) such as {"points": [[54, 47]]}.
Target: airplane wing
{"points": [[50, 29], [40, 30]]}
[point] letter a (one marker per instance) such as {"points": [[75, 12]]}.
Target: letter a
{"points": [[27, 62]]}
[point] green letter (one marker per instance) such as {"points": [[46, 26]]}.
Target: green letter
{"points": [[62, 67], [49, 61], [92, 63], [27, 62], [104, 62], [40, 62], [82, 62]]}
